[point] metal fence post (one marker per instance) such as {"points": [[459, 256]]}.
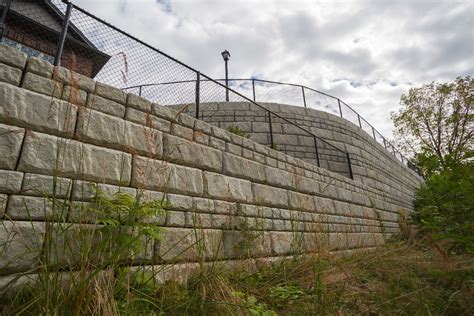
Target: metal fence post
{"points": [[373, 133], [198, 88], [340, 109], [271, 129], [360, 124], [304, 97], [317, 152], [253, 89], [3, 18], [140, 91], [62, 37], [350, 166]]}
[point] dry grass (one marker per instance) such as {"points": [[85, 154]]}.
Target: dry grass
{"points": [[398, 278]]}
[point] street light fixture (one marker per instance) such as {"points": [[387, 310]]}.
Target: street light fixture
{"points": [[226, 56]]}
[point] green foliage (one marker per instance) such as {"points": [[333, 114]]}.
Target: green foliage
{"points": [[253, 306], [237, 131], [287, 294], [81, 264], [396, 279], [248, 234], [435, 124], [124, 210], [444, 207]]}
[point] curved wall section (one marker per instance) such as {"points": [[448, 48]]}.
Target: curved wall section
{"points": [[371, 163], [64, 136]]}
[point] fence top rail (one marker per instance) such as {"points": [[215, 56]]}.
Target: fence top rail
{"points": [[244, 97]]}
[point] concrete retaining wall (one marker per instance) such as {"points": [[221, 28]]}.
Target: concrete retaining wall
{"points": [[62, 136], [371, 163]]}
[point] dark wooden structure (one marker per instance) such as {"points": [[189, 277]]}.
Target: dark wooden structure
{"points": [[34, 26]]}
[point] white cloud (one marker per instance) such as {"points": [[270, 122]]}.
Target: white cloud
{"points": [[365, 52]]}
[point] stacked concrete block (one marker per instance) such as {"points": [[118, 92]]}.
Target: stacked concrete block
{"points": [[225, 196], [366, 153]]}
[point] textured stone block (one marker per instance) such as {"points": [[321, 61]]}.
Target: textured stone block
{"points": [[74, 95], [10, 181], [217, 143], [233, 149], [264, 194], [11, 285], [324, 205], [304, 184], [282, 243], [186, 120], [36, 208], [21, 245], [100, 129], [260, 127], [261, 138], [203, 205], [74, 79], [227, 188], [109, 131], [241, 167], [138, 103], [186, 152], [238, 245], [177, 244], [283, 139], [203, 127], [148, 119], [162, 176], [181, 131], [40, 67], [165, 112], [46, 186], [199, 221], [104, 105], [221, 221], [175, 219], [3, 204], [249, 154], [150, 196], [35, 111], [179, 202], [278, 177], [46, 154], [42, 85], [12, 56], [87, 191], [200, 137], [11, 138], [110, 93], [220, 133], [10, 74], [300, 201]]}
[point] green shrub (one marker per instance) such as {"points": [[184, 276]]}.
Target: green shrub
{"points": [[444, 207], [237, 131]]}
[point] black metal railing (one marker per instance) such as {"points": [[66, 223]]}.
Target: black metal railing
{"points": [[260, 90], [93, 47]]}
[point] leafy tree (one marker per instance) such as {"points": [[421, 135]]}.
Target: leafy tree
{"points": [[436, 124]]}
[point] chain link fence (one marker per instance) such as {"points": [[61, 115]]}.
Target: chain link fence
{"points": [[67, 35]]}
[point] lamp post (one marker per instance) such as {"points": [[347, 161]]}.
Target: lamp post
{"points": [[226, 56]]}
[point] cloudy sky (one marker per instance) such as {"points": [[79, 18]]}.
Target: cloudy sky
{"points": [[367, 53]]}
